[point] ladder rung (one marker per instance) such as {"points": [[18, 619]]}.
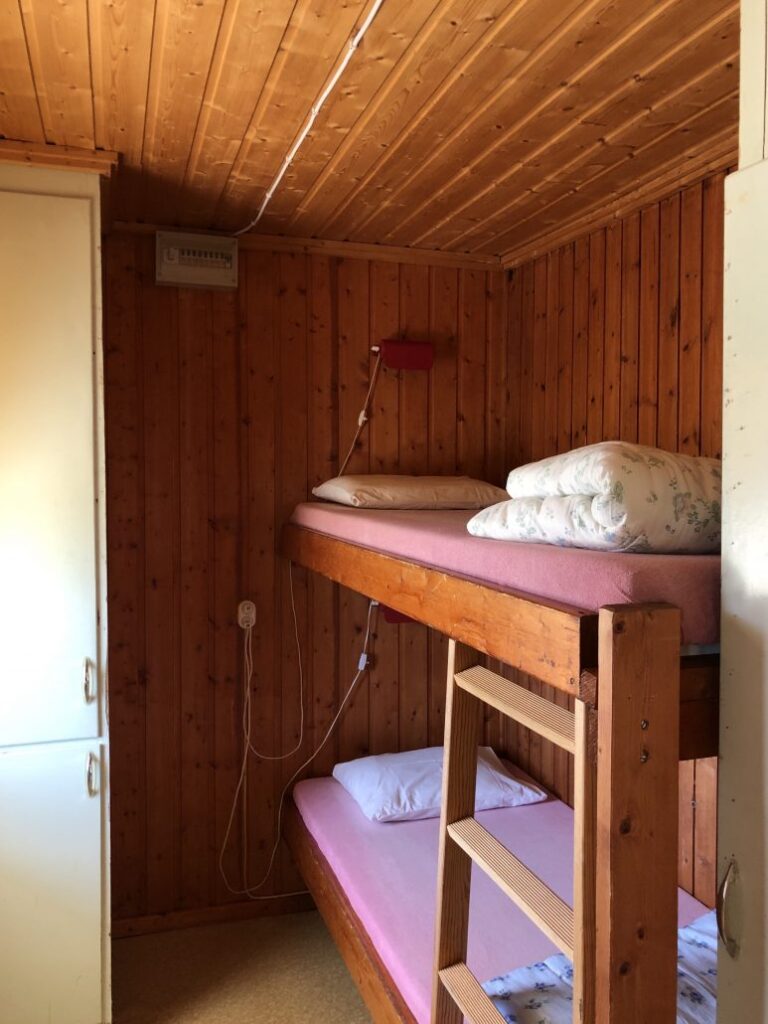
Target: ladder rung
{"points": [[545, 718], [466, 991], [534, 897]]}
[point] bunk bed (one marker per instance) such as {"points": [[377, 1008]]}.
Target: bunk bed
{"points": [[633, 640]]}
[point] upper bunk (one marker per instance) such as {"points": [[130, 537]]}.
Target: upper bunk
{"points": [[534, 607]]}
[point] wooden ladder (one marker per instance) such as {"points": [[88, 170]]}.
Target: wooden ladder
{"points": [[463, 841]]}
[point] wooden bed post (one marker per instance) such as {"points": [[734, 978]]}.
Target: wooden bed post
{"points": [[584, 844], [462, 737], [637, 814]]}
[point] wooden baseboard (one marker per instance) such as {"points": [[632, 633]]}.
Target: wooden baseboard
{"points": [[177, 919]]}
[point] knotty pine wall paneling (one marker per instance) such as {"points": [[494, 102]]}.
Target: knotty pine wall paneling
{"points": [[619, 335], [224, 409]]}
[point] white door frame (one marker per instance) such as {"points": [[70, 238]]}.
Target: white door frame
{"points": [[743, 799]]}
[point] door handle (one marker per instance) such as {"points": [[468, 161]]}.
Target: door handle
{"points": [[91, 774], [730, 943], [89, 690]]}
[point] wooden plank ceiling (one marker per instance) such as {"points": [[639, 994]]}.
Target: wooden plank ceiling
{"points": [[477, 126]]}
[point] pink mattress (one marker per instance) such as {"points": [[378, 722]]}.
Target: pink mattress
{"points": [[582, 579], [389, 874]]}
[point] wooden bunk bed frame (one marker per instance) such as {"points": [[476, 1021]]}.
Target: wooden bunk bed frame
{"points": [[639, 708]]}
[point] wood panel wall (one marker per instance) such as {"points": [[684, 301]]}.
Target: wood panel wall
{"points": [[619, 335], [225, 408]]}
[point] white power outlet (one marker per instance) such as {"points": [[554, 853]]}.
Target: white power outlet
{"points": [[246, 615]]}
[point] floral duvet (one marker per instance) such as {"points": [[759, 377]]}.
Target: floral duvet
{"points": [[543, 993], [612, 496]]}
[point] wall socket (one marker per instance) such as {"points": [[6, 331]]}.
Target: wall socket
{"points": [[246, 615]]}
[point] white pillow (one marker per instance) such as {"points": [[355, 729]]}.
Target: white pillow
{"points": [[409, 492], [407, 786]]}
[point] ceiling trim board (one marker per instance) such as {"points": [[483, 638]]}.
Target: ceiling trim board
{"points": [[328, 247], [73, 158]]}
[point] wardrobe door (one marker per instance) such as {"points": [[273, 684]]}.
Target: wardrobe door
{"points": [[48, 524], [51, 809]]}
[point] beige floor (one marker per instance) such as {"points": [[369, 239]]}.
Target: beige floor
{"points": [[276, 970]]}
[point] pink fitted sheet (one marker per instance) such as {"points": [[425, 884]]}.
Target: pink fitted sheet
{"points": [[583, 579], [389, 874]]}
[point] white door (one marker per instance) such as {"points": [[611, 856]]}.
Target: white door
{"points": [[48, 530], [50, 883], [743, 834]]}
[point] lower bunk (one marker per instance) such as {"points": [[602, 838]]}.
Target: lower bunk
{"points": [[375, 886]]}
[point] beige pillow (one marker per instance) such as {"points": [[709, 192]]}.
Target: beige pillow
{"points": [[384, 491]]}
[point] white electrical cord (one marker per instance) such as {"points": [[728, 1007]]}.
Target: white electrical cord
{"points": [[352, 45], [248, 672], [364, 416], [241, 788]]}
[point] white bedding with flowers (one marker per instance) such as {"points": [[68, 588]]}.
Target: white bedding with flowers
{"points": [[611, 496], [543, 993]]}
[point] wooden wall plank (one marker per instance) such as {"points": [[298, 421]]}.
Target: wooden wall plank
{"points": [[443, 447], [385, 323], [496, 467], [705, 831], [195, 344], [259, 343], [689, 412], [414, 454], [597, 296], [291, 478], [123, 368], [527, 390], [565, 354], [648, 390], [414, 387], [354, 367], [322, 463], [539, 359], [687, 796], [712, 316], [646, 365], [630, 324], [669, 322], [443, 392], [161, 635], [552, 356], [612, 348], [580, 343], [471, 372], [227, 584], [514, 367], [385, 458]]}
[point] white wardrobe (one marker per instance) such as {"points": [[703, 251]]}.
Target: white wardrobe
{"points": [[54, 885]]}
